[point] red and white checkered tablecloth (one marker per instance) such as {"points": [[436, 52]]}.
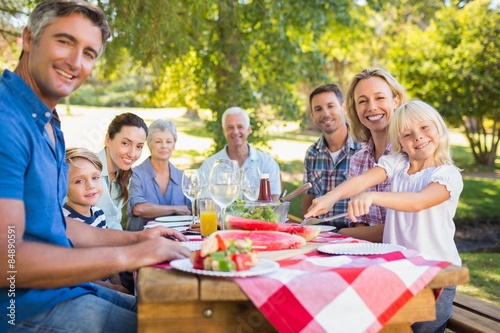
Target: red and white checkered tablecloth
{"points": [[317, 292]]}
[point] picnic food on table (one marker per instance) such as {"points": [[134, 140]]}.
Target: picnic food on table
{"points": [[264, 240], [224, 255], [260, 212], [308, 232]]}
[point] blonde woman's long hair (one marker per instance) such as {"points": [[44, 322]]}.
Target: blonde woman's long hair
{"points": [[414, 112], [360, 132]]}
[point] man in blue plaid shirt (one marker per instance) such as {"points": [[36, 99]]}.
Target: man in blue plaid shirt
{"points": [[326, 163]]}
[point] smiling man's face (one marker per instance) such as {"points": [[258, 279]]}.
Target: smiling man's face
{"points": [[62, 58], [236, 131], [327, 112]]}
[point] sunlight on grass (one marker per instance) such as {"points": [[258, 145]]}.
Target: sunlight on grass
{"points": [[479, 198], [484, 270]]}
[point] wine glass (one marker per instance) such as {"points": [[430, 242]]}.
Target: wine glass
{"points": [[193, 184], [224, 185], [250, 182]]}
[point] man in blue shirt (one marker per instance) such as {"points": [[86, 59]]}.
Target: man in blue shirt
{"points": [[45, 260], [326, 163]]}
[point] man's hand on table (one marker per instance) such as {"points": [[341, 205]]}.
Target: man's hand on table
{"points": [[161, 231], [164, 243]]}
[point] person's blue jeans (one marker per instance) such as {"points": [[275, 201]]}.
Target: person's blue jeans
{"points": [[444, 308], [109, 311]]}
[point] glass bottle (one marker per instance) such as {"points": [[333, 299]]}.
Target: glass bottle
{"points": [[265, 188]]}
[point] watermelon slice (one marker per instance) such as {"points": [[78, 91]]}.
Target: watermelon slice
{"points": [[241, 223], [265, 240]]}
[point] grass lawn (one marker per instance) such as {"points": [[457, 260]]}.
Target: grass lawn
{"points": [[484, 270]]}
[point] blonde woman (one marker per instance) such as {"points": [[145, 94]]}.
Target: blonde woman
{"points": [[371, 100]]}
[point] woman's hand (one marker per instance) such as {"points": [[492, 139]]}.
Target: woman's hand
{"points": [[181, 210]]}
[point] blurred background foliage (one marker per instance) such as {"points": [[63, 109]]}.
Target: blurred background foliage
{"points": [[266, 56]]}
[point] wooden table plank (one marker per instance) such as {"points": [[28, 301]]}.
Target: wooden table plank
{"points": [[155, 286], [214, 289], [203, 317], [450, 276]]}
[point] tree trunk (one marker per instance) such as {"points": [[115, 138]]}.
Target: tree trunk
{"points": [[484, 152], [228, 78]]}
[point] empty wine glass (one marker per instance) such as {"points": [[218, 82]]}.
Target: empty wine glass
{"points": [[224, 185], [250, 182], [193, 184]]}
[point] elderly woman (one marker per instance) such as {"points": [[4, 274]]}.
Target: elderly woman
{"points": [[156, 185]]}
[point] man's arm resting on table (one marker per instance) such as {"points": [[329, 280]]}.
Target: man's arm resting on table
{"points": [[83, 235], [40, 265]]}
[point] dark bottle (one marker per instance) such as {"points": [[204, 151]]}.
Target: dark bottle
{"points": [[265, 188]]}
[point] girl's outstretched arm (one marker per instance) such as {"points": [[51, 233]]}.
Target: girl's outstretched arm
{"points": [[430, 196], [347, 189]]}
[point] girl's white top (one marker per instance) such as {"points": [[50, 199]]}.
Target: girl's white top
{"points": [[429, 231]]}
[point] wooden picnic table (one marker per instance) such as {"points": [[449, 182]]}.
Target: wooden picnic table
{"points": [[181, 302]]}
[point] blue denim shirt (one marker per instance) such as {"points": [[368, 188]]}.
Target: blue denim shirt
{"points": [[33, 171]]}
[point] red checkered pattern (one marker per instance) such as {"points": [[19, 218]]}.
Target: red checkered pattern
{"points": [[317, 292]]}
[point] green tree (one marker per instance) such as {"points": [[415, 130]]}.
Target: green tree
{"points": [[11, 23], [219, 53], [453, 64]]}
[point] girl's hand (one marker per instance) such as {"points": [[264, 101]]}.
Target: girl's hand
{"points": [[359, 205], [320, 206]]}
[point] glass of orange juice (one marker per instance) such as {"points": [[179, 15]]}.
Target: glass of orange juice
{"points": [[208, 216]]}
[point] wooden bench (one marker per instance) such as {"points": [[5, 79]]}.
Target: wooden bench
{"points": [[472, 315]]}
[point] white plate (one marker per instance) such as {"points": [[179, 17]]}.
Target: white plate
{"points": [[324, 228], [360, 248], [175, 218], [263, 267], [168, 225], [193, 246]]}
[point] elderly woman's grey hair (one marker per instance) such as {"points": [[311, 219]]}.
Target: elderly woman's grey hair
{"points": [[235, 110], [161, 125]]}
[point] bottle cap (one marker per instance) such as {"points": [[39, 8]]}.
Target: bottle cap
{"points": [[264, 175]]}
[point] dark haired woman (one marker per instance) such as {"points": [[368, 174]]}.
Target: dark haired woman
{"points": [[123, 146]]}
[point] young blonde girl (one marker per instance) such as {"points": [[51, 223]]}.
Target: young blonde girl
{"points": [[424, 193]]}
